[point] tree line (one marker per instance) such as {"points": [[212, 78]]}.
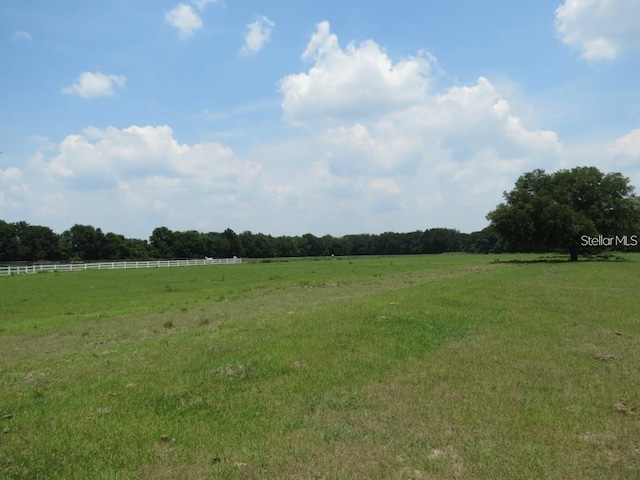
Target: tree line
{"points": [[577, 211], [22, 242]]}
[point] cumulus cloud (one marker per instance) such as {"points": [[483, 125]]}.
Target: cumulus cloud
{"points": [[385, 185], [98, 84], [394, 150], [185, 19], [457, 124], [600, 29], [461, 148], [10, 174], [112, 154], [380, 148], [144, 177], [257, 35], [628, 146], [479, 115], [357, 80]]}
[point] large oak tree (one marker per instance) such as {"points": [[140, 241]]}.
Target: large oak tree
{"points": [[556, 211]]}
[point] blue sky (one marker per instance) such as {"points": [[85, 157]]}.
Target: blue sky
{"points": [[294, 117]]}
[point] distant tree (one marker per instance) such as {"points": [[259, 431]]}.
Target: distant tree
{"points": [[413, 241], [115, 247], [331, 245], [546, 212], [161, 242], [138, 249], [189, 244], [234, 246], [359, 244], [390, 243], [310, 245], [36, 242], [263, 246], [440, 240], [286, 246], [82, 242], [257, 245], [215, 244], [483, 241], [9, 245], [23, 242]]}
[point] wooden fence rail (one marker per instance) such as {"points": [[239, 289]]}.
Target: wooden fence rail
{"points": [[77, 267]]}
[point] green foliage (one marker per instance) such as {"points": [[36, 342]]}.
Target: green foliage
{"points": [[83, 242], [161, 243], [22, 242], [483, 241], [550, 212]]}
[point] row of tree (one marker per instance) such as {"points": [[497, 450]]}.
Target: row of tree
{"points": [[581, 210], [31, 243], [21, 242]]}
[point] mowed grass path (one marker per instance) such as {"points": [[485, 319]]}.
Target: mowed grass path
{"points": [[430, 367]]}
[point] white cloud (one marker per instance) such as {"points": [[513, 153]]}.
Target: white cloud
{"points": [[21, 36], [628, 146], [624, 156], [419, 159], [601, 29], [98, 84], [287, 196], [380, 148], [113, 154], [257, 35], [10, 174], [385, 185], [442, 160], [201, 4], [358, 80], [395, 153], [150, 177], [481, 114], [185, 19], [457, 124]]}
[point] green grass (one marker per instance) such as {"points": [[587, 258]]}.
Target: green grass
{"points": [[429, 367]]}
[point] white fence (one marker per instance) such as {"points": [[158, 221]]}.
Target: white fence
{"points": [[77, 267]]}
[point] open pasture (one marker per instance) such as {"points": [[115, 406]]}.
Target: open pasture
{"points": [[427, 367]]}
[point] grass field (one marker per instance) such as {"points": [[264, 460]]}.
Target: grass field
{"points": [[427, 367]]}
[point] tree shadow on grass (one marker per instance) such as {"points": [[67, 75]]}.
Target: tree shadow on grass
{"points": [[604, 257]]}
